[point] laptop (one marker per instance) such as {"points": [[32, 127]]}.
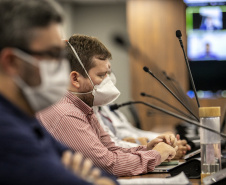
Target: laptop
{"points": [[192, 155], [166, 166]]}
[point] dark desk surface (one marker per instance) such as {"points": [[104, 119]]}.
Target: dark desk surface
{"points": [[160, 175]]}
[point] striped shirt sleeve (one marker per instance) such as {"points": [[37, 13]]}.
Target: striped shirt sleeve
{"points": [[86, 136]]}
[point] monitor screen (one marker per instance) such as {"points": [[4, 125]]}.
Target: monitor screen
{"points": [[205, 2], [206, 43], [202, 1], [206, 33]]}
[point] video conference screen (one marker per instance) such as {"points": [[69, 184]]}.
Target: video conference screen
{"points": [[206, 33], [206, 43], [213, 2]]}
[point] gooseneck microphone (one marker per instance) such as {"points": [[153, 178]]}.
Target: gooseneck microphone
{"points": [[172, 83], [152, 74], [116, 106], [179, 91], [162, 101], [179, 35]]}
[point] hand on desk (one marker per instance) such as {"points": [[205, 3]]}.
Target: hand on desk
{"points": [[169, 139], [129, 139], [165, 144], [166, 151], [183, 147], [142, 140], [83, 168]]}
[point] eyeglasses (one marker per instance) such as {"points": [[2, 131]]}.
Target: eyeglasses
{"points": [[54, 63], [53, 54]]}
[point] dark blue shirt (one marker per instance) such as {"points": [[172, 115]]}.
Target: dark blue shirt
{"points": [[28, 154]]}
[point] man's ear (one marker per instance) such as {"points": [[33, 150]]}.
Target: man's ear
{"points": [[75, 79], [8, 62]]}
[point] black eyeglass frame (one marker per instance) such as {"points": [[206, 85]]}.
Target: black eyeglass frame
{"points": [[52, 54]]}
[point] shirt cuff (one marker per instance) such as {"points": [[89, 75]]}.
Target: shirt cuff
{"points": [[157, 156]]}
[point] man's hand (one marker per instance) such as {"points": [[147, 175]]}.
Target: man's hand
{"points": [[183, 147], [84, 168], [169, 139], [75, 163], [143, 140], [166, 151], [129, 139]]}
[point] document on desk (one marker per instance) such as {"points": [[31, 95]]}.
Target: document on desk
{"points": [[176, 180]]}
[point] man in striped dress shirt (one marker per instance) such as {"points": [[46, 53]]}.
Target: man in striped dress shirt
{"points": [[73, 122]]}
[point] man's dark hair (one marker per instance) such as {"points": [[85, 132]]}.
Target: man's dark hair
{"points": [[86, 47], [18, 19]]}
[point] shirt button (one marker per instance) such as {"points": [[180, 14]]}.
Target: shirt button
{"points": [[91, 112]]}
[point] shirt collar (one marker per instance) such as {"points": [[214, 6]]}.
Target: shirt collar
{"points": [[86, 109]]}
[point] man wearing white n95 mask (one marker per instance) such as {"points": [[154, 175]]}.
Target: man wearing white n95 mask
{"points": [[73, 122], [104, 92], [33, 75]]}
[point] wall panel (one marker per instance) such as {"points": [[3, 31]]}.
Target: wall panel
{"points": [[151, 26]]}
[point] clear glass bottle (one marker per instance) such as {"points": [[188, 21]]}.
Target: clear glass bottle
{"points": [[210, 141]]}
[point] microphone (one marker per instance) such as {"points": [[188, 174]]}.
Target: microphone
{"points": [[172, 84], [120, 41], [116, 106], [179, 35], [162, 101], [148, 71], [179, 91]]}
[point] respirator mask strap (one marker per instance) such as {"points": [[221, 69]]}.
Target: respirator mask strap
{"points": [[76, 55]]}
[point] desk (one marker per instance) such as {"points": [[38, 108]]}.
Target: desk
{"points": [[160, 175]]}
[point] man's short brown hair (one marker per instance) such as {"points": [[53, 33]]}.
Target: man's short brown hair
{"points": [[86, 47]]}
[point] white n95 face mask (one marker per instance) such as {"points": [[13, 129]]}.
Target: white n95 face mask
{"points": [[54, 81], [104, 93], [112, 77]]}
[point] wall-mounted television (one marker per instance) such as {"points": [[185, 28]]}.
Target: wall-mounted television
{"points": [[206, 43]]}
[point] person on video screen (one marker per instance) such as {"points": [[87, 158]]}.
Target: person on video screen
{"points": [[208, 55], [208, 24]]}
